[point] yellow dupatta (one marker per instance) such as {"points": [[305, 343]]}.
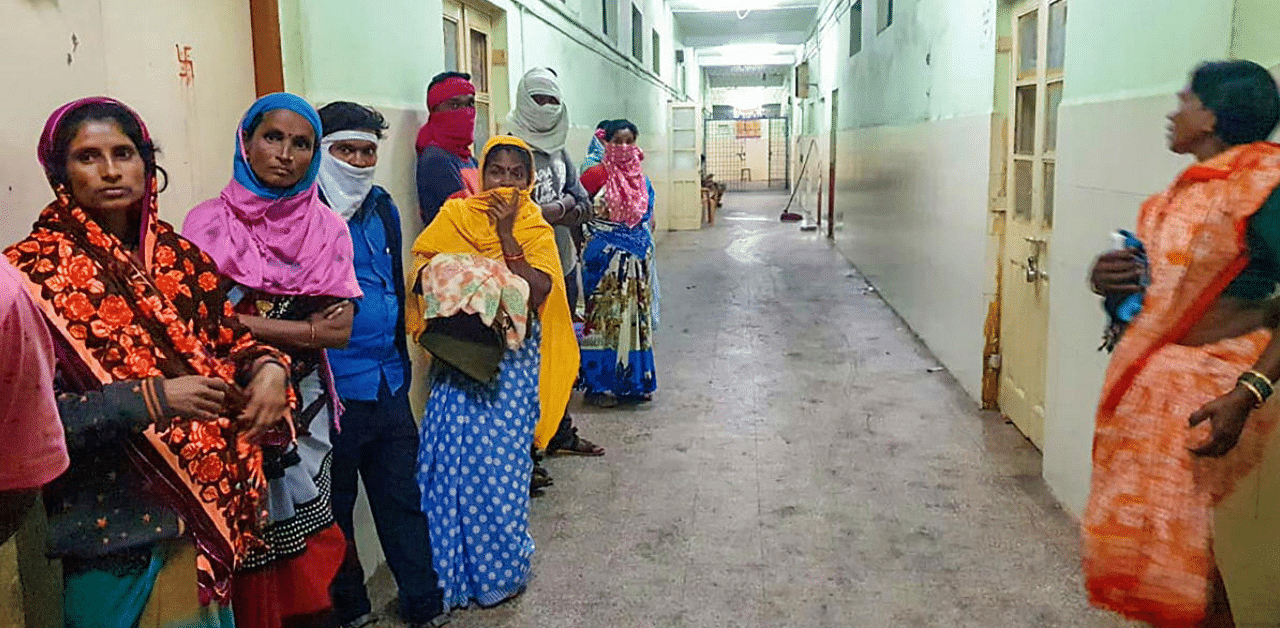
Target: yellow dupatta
{"points": [[463, 226]]}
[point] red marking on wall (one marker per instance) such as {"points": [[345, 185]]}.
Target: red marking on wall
{"points": [[186, 65]]}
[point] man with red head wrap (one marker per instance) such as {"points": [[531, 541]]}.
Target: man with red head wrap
{"points": [[446, 167]]}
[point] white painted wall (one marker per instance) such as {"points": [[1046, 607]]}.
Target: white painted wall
{"points": [[913, 134], [194, 125]]}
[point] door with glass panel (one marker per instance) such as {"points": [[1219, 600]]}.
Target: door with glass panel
{"points": [[468, 47], [1039, 35]]}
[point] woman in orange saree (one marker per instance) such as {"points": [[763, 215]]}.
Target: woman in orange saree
{"points": [[1183, 415]]}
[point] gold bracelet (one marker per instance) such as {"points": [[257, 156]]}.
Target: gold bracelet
{"points": [[313, 332], [513, 258], [1256, 393]]}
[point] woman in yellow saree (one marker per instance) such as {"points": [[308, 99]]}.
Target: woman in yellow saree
{"points": [[474, 458], [1184, 413]]}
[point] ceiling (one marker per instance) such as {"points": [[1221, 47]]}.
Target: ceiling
{"points": [[748, 76], [703, 29], [730, 5]]}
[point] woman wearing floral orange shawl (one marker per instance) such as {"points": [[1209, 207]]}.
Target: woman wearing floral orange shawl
{"points": [[161, 390], [1183, 415], [474, 456]]}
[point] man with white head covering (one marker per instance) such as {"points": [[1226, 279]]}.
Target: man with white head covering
{"points": [[542, 121], [378, 441]]}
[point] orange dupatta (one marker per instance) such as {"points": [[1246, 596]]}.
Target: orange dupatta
{"points": [[1148, 525], [463, 226]]}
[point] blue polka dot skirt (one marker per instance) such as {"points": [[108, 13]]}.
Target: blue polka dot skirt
{"points": [[473, 469]]}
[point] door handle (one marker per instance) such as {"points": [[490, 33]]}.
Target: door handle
{"points": [[1031, 269]]}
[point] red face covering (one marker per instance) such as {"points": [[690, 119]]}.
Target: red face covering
{"points": [[453, 130]]}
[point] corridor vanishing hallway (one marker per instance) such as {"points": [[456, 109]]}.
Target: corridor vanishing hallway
{"points": [[800, 466]]}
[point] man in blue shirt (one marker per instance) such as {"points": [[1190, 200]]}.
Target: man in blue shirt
{"points": [[379, 438]]}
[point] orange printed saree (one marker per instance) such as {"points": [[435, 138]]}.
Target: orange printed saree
{"points": [[1148, 525], [156, 312]]}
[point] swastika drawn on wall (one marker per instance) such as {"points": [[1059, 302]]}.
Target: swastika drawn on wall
{"points": [[186, 65]]}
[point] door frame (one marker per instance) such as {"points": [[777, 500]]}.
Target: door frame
{"points": [[831, 160], [268, 60]]}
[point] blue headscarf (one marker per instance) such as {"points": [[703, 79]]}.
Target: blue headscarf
{"points": [[284, 242], [595, 153], [244, 174]]}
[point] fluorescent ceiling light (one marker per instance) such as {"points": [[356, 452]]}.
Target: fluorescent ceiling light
{"points": [[741, 6], [748, 54]]}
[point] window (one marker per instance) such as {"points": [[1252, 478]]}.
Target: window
{"points": [[682, 74], [451, 44], [855, 28], [637, 33], [657, 58], [480, 60], [885, 16]]}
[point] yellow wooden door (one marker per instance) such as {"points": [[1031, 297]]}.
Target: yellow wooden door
{"points": [[468, 47], [1039, 34]]}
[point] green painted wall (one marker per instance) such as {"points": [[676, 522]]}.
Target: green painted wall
{"points": [[934, 62], [1133, 48], [383, 56], [1254, 31], [386, 56]]}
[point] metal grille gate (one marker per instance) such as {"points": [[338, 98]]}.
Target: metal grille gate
{"points": [[749, 154]]}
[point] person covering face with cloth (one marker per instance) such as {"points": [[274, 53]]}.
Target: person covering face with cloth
{"points": [[541, 119], [446, 168], [619, 276], [479, 423], [378, 442]]}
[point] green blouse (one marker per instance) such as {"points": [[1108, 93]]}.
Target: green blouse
{"points": [[1259, 279]]}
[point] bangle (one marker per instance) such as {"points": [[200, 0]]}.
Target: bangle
{"points": [[1257, 376], [270, 360], [313, 332], [1256, 393], [1257, 383], [513, 258]]}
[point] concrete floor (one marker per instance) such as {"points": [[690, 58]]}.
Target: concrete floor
{"points": [[801, 465]]}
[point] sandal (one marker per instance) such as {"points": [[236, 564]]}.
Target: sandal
{"points": [[578, 446]]}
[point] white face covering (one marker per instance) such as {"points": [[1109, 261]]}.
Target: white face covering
{"points": [[544, 127], [344, 185]]}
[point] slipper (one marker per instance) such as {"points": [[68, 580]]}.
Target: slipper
{"points": [[577, 447]]}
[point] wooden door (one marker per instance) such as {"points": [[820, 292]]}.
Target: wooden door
{"points": [[1039, 28]]}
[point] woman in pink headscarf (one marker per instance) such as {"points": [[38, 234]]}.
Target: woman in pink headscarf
{"points": [[286, 260], [618, 275]]}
